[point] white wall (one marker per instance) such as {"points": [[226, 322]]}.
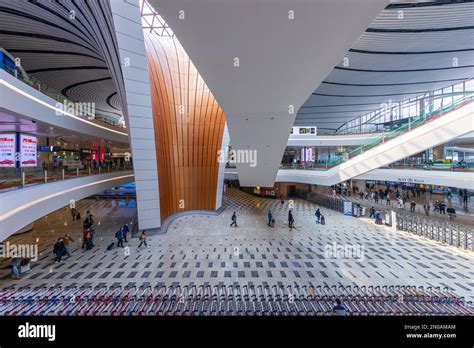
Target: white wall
{"points": [[21, 207], [129, 33]]}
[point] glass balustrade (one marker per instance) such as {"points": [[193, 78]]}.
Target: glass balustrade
{"points": [[402, 129], [21, 75], [15, 178]]}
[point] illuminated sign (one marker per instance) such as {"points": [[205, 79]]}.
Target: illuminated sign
{"points": [[307, 154], [303, 130], [45, 148], [28, 150], [7, 150], [411, 180]]}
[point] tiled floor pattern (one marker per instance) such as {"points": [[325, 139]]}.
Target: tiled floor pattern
{"points": [[200, 249]]}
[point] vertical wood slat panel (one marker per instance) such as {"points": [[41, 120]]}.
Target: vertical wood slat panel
{"points": [[187, 144]]}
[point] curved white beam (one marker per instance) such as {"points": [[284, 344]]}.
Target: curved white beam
{"points": [[21, 207], [17, 98]]}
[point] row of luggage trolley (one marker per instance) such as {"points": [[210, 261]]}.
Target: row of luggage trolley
{"points": [[443, 231], [230, 300]]}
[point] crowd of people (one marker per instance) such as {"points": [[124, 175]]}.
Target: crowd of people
{"points": [[61, 247], [405, 197]]}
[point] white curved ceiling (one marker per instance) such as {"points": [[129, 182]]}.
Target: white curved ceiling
{"points": [[70, 46], [408, 49]]}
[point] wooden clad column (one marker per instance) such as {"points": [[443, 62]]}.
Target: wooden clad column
{"points": [[189, 126]]}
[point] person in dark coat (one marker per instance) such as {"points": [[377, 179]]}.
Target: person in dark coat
{"points": [[291, 220], [234, 220], [270, 217], [119, 235], [58, 250]]}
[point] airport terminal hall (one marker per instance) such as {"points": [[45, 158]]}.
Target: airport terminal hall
{"points": [[237, 158]]}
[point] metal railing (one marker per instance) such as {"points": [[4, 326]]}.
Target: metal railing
{"points": [[323, 165], [12, 179], [392, 115], [44, 89], [332, 203], [445, 232], [416, 122]]}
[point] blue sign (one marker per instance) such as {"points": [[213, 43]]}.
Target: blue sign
{"points": [[347, 208], [45, 148]]}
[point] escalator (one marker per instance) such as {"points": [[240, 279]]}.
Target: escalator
{"points": [[442, 126]]}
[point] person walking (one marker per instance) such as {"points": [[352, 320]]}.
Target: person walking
{"points": [[450, 194], [66, 240], [270, 217], [376, 216], [442, 208], [426, 207], [14, 273], [412, 206], [88, 221], [87, 242], [142, 240], [73, 214], [58, 250], [234, 220], [125, 231], [400, 203], [89, 217], [119, 235], [291, 220], [318, 216], [388, 199], [372, 212]]}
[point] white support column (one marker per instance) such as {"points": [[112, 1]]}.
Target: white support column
{"points": [[129, 34], [221, 174]]}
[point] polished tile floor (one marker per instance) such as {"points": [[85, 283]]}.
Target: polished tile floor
{"points": [[200, 249]]}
